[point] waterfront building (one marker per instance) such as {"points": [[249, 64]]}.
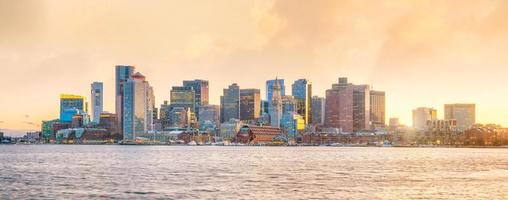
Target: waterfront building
{"points": [[96, 96], [302, 92], [318, 110], [71, 104], [183, 97], [109, 122], [441, 126], [122, 74], [229, 129], [47, 129], [377, 108], [250, 102], [289, 104], [269, 88], [138, 104], [201, 92], [292, 123], [80, 120], [339, 106], [257, 135], [209, 115], [421, 116], [361, 107], [230, 103], [464, 114], [276, 104]]}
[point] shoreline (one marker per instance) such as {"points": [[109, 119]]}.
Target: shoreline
{"points": [[331, 146]]}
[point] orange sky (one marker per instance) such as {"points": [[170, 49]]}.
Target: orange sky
{"points": [[422, 53]]}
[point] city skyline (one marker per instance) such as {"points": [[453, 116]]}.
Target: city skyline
{"points": [[452, 62]]}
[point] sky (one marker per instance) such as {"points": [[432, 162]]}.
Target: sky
{"points": [[423, 53]]}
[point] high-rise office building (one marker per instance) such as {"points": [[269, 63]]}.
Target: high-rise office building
{"points": [[361, 107], [96, 96], [209, 117], [183, 97], [302, 91], [201, 92], [318, 110], [464, 114], [377, 108], [269, 88], [138, 104], [422, 115], [179, 117], [339, 106], [71, 105], [230, 103], [122, 74], [276, 104], [289, 104], [250, 104]]}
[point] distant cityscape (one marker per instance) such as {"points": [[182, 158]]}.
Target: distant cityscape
{"points": [[348, 115]]}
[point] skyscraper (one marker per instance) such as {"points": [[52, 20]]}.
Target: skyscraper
{"points": [[269, 88], [122, 74], [138, 104], [71, 105], [276, 104], [318, 110], [230, 103], [183, 97], [339, 106], [464, 114], [96, 96], [289, 104], [201, 92], [422, 115], [302, 91], [361, 107], [250, 104], [377, 108]]}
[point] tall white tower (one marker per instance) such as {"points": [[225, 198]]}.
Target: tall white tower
{"points": [[97, 95], [276, 105]]}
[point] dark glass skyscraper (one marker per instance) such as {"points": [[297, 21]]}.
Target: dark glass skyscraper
{"points": [[230, 103], [318, 110], [183, 97], [250, 104], [201, 92], [123, 73]]}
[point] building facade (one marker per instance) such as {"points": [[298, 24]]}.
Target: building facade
{"points": [[302, 92], [122, 74], [70, 105], [318, 110], [339, 106], [377, 108], [361, 107], [209, 115], [464, 114], [230, 103], [276, 104], [250, 104], [421, 116], [97, 98], [183, 97], [138, 104], [269, 88], [201, 92], [292, 123]]}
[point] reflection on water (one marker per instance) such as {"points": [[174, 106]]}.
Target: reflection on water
{"points": [[81, 171]]}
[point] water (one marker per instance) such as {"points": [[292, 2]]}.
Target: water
{"points": [[171, 172]]}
